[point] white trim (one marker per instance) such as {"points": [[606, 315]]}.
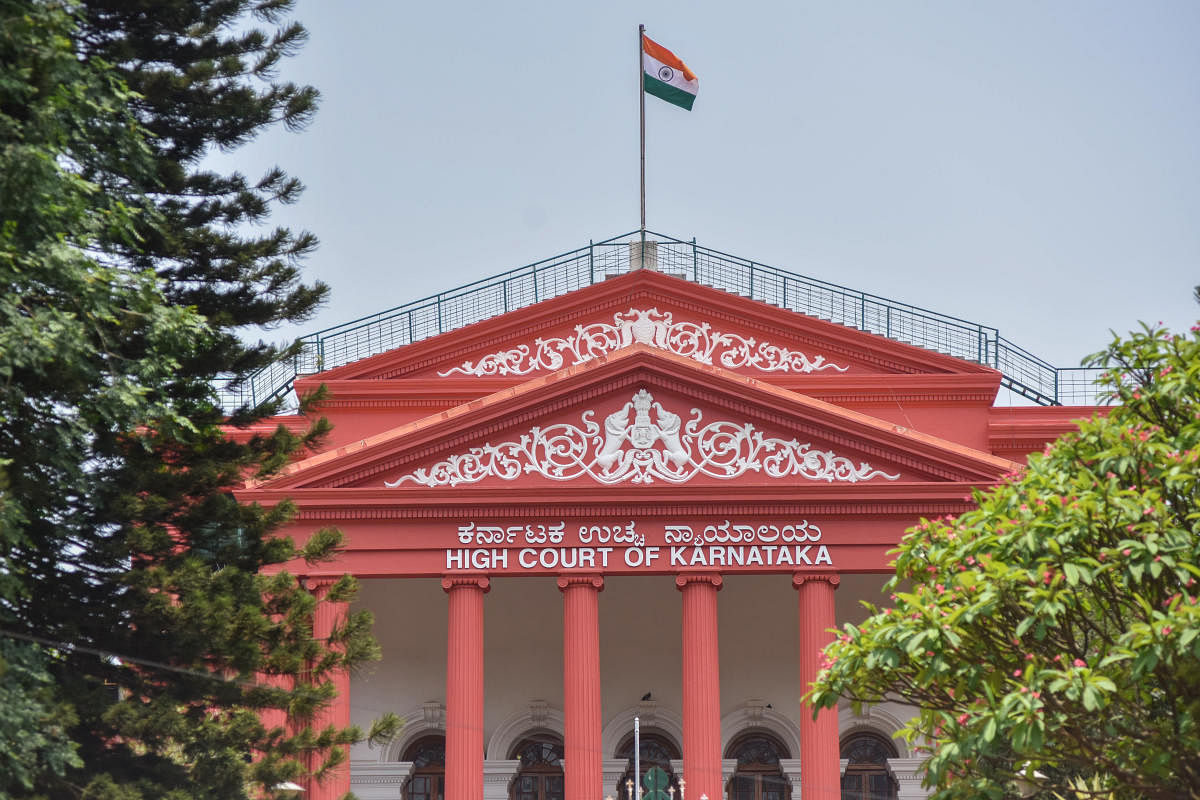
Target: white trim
{"points": [[537, 716], [423, 720], [498, 777], [646, 326], [905, 771], [371, 780], [641, 442], [878, 719], [752, 715], [653, 717]]}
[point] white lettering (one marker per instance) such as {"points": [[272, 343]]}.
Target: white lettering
{"points": [[802, 554], [455, 559], [604, 551], [499, 559], [634, 556], [699, 557], [823, 556], [677, 557], [652, 555], [527, 558], [755, 557]]}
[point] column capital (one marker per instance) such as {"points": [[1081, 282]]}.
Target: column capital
{"points": [[452, 582], [566, 581], [801, 578], [321, 584], [712, 578]]}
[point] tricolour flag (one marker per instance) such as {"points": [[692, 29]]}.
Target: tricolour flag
{"points": [[666, 76]]}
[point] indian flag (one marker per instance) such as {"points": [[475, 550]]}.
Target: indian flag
{"points": [[666, 76]]}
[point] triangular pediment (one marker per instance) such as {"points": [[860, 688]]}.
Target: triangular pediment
{"points": [[663, 312], [638, 418]]}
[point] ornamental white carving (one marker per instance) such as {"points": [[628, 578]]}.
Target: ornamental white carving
{"points": [[697, 341], [653, 445]]}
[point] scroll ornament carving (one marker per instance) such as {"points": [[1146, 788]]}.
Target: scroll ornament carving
{"points": [[697, 341], [654, 445]]}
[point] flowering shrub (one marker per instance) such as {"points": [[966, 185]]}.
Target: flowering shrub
{"points": [[1055, 628]]}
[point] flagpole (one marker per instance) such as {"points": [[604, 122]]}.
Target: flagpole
{"points": [[642, 126]]}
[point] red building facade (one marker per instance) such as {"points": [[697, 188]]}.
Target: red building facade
{"points": [[644, 488]]}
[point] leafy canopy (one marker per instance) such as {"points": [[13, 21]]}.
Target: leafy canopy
{"points": [[1056, 629], [152, 648]]}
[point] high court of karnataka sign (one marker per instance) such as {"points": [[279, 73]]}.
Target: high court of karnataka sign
{"points": [[641, 497]]}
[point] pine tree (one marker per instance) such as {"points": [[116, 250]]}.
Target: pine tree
{"points": [[128, 560]]}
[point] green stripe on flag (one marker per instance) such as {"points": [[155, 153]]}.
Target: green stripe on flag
{"points": [[665, 91]]}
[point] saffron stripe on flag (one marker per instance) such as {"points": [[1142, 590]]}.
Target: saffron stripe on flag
{"points": [[665, 56]]}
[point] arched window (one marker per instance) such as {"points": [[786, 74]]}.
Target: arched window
{"points": [[867, 775], [758, 775], [540, 776], [428, 777], [657, 750]]}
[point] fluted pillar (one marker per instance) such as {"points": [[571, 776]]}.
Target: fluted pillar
{"points": [[701, 685], [820, 772], [326, 616], [464, 687], [583, 776]]}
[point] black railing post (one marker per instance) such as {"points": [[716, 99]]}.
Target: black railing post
{"points": [[591, 261]]}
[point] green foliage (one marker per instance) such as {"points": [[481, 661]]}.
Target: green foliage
{"points": [[33, 736], [127, 272], [1057, 627]]}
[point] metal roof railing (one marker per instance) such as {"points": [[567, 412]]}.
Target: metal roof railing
{"points": [[1024, 374]]}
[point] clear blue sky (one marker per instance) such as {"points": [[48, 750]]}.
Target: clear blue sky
{"points": [[1034, 166]]}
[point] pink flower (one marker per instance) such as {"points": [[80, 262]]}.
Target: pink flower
{"points": [[1016, 673], [1166, 631], [1079, 662], [1126, 551], [962, 719]]}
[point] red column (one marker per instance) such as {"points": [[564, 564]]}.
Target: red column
{"points": [[583, 775], [326, 617], [820, 771], [701, 686], [464, 687]]}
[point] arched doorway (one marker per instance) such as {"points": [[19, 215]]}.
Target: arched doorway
{"points": [[540, 776], [867, 776], [759, 775], [428, 776], [657, 750]]}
